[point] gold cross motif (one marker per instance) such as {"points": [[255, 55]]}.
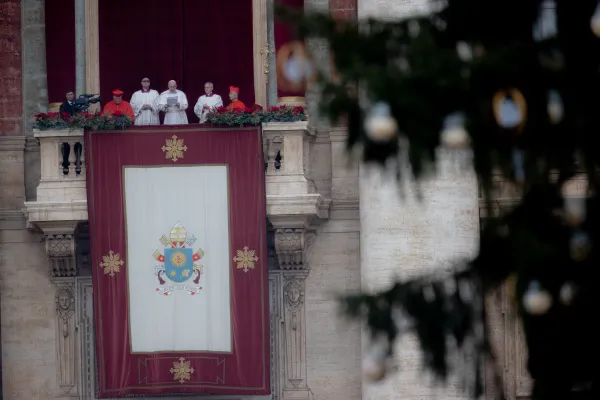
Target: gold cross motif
{"points": [[174, 148], [265, 52]]}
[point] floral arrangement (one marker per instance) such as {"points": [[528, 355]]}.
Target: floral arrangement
{"points": [[82, 120], [256, 115], [118, 121]]}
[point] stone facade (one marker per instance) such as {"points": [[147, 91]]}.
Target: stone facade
{"points": [[322, 243]]}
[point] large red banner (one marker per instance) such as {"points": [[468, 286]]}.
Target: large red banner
{"points": [[124, 369]]}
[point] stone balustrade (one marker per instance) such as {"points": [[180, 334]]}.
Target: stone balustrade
{"points": [[62, 200]]}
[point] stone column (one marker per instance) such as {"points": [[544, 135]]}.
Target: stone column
{"points": [[80, 30], [261, 51], [272, 57], [293, 241], [92, 51]]}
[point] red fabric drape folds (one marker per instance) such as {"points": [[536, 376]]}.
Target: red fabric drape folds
{"points": [[60, 48], [246, 369], [187, 40]]}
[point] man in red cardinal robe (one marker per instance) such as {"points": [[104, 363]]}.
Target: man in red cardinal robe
{"points": [[118, 104], [235, 103]]}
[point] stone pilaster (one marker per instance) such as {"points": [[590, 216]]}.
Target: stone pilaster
{"points": [[66, 337], [12, 182], [35, 88], [293, 243], [11, 99]]}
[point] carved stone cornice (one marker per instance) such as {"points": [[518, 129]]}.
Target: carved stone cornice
{"points": [[292, 246], [12, 143], [60, 250]]}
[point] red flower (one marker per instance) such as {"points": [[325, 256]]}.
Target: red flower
{"points": [[298, 110], [221, 109], [248, 110], [118, 113], [256, 107], [65, 116], [274, 108]]}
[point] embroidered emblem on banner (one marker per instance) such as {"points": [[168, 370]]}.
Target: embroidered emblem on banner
{"points": [[111, 263], [178, 263], [174, 148], [245, 259], [182, 370]]}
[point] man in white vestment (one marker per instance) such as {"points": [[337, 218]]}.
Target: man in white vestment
{"points": [[142, 103], [207, 103], [174, 103]]}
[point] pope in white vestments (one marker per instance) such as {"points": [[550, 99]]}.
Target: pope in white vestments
{"points": [[207, 102], [142, 103], [174, 103]]}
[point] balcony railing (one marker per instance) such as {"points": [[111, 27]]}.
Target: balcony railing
{"points": [[61, 194]]}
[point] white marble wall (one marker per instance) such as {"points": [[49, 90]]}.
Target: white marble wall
{"points": [[407, 237]]}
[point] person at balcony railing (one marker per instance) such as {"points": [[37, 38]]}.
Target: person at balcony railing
{"points": [[207, 102], [67, 107], [118, 104], [174, 103], [235, 103], [142, 103]]}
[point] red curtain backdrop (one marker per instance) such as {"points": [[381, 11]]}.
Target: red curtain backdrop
{"points": [[190, 41], [60, 48], [284, 33], [246, 369]]}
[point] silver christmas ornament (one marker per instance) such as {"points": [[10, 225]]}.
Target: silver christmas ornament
{"points": [[567, 293], [464, 51], [374, 364], [580, 246], [518, 165], [536, 301], [380, 126], [454, 135], [555, 107], [374, 371]]}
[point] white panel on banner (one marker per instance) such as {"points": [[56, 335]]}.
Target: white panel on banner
{"points": [[177, 221]]}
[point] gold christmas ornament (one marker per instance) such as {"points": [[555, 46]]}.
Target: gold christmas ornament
{"points": [[510, 109], [595, 22], [294, 67]]}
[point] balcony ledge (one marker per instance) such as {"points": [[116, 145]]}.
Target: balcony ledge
{"points": [[292, 197]]}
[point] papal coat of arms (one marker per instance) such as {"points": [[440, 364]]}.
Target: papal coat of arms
{"points": [[178, 263]]}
